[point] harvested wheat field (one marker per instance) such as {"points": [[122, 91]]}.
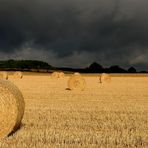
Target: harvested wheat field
{"points": [[106, 115]]}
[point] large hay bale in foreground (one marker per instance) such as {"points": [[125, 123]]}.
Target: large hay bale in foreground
{"points": [[76, 82], [11, 108], [104, 77], [4, 75], [18, 74]]}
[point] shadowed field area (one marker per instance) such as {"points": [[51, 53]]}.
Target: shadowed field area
{"points": [[104, 114]]}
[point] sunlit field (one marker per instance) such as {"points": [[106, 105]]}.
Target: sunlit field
{"points": [[104, 115]]}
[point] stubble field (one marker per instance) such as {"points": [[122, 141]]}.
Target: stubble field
{"points": [[106, 115]]}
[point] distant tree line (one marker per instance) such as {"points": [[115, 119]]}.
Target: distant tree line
{"points": [[24, 64], [97, 68], [40, 66]]}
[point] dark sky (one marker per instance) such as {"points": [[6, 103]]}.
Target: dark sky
{"points": [[76, 32]]}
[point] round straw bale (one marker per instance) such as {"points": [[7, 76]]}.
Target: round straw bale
{"points": [[61, 74], [11, 108], [77, 74], [4, 75], [105, 78], [18, 74], [55, 74], [76, 82]]}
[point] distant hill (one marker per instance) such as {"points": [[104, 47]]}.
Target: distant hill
{"points": [[132, 70], [97, 68], [115, 69], [40, 66]]}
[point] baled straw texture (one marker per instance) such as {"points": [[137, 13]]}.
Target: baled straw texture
{"points": [[61, 75], [57, 74], [105, 78], [4, 75], [18, 74], [11, 108], [76, 82], [77, 74]]}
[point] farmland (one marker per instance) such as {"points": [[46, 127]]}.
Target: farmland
{"points": [[108, 115]]}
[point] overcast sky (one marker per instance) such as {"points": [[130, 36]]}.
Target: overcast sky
{"points": [[75, 32]]}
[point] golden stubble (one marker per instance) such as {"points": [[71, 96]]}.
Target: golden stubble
{"points": [[103, 115]]}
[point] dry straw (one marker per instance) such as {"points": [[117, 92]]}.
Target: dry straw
{"points": [[76, 82], [57, 74], [77, 74], [61, 75], [104, 77], [18, 74], [4, 75], [11, 108]]}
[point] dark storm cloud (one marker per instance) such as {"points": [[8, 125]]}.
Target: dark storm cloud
{"points": [[111, 31]]}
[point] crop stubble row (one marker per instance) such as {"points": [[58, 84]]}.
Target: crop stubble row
{"points": [[114, 114]]}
